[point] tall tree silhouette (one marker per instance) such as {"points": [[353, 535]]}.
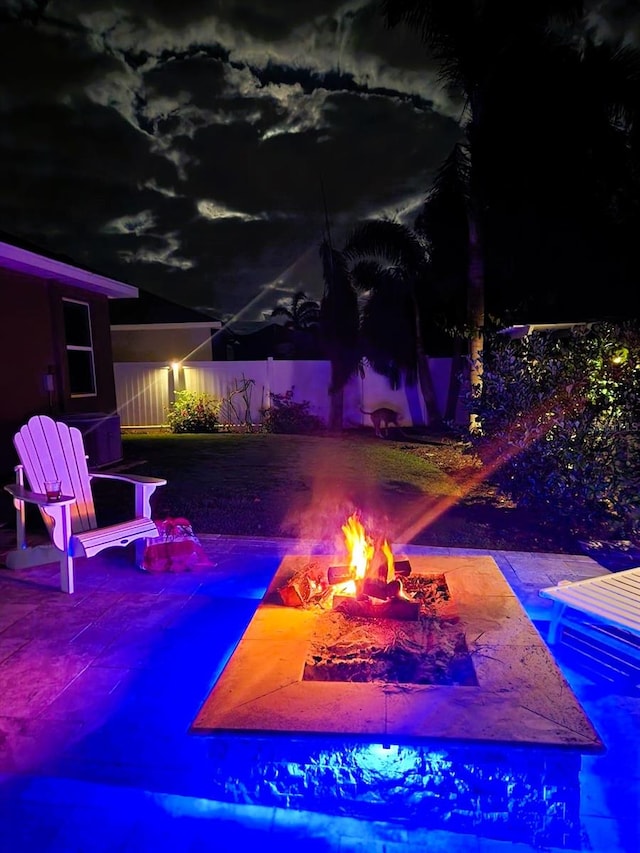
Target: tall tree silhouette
{"points": [[390, 267], [339, 327], [473, 41], [443, 221]]}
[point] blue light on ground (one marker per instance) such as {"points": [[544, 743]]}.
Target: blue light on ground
{"points": [[136, 780]]}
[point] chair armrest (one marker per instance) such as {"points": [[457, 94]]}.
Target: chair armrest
{"points": [[19, 493], [144, 488], [135, 479]]}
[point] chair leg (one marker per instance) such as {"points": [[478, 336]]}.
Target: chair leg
{"points": [[66, 560], [139, 546], [66, 573], [554, 625]]}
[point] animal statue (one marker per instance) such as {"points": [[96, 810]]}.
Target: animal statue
{"points": [[382, 418]]}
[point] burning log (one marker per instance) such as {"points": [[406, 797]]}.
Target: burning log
{"points": [[380, 575], [394, 608], [375, 588], [402, 608], [381, 589], [402, 568], [300, 590], [339, 574], [291, 595], [395, 588]]}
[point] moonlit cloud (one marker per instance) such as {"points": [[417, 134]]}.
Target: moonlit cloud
{"points": [[211, 210], [137, 224], [165, 254]]}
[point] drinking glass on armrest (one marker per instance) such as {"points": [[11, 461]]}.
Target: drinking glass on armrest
{"points": [[53, 490]]}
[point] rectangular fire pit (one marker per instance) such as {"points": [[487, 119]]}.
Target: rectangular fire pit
{"points": [[516, 722]]}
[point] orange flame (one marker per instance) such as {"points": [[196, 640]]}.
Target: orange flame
{"points": [[360, 547], [388, 553]]}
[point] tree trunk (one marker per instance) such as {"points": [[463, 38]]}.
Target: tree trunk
{"points": [[475, 306], [425, 380], [336, 408], [454, 385]]}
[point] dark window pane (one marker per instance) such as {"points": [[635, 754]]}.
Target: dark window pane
{"points": [[81, 376], [76, 324]]}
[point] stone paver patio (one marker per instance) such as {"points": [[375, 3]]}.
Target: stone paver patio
{"points": [[98, 692]]}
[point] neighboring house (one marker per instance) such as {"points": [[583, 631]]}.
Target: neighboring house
{"points": [[56, 349], [152, 329], [275, 338]]}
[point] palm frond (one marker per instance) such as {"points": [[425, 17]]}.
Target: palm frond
{"points": [[388, 329], [366, 274], [388, 241]]}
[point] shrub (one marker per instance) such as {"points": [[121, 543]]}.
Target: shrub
{"points": [[560, 420], [193, 412], [285, 415], [235, 407]]}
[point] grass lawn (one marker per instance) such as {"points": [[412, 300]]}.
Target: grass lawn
{"points": [[417, 489]]}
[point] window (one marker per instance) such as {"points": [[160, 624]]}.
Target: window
{"points": [[77, 330]]}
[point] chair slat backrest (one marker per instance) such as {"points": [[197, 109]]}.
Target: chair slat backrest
{"points": [[51, 450]]}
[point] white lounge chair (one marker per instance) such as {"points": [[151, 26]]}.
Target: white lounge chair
{"points": [[51, 450], [612, 599]]}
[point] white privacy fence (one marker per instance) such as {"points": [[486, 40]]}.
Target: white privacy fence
{"points": [[142, 393], [144, 390]]}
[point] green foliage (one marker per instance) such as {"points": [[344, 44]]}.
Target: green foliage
{"points": [[285, 415], [193, 412], [560, 420]]}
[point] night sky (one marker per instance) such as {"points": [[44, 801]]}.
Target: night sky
{"points": [[183, 146]]}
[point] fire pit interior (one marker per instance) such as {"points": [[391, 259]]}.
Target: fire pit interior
{"points": [[428, 648], [377, 620]]}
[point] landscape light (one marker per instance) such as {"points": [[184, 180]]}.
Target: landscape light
{"points": [[620, 355]]}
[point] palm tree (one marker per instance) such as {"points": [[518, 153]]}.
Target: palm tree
{"points": [[304, 313], [390, 267], [339, 324], [473, 41], [444, 220]]}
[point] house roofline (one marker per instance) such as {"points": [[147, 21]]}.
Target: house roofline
{"points": [[25, 261], [527, 329], [141, 327]]}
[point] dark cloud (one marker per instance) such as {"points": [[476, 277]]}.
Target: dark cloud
{"points": [[183, 147], [615, 20]]}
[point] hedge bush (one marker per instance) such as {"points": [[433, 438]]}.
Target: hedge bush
{"points": [[193, 412], [560, 425], [286, 415]]}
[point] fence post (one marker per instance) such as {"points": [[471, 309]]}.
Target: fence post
{"points": [[269, 382]]}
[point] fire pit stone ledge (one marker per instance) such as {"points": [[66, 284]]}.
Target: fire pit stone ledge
{"points": [[500, 758]]}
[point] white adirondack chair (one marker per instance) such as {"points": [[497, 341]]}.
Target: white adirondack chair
{"points": [[51, 450]]}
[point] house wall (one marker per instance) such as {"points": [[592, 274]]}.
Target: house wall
{"points": [[33, 354], [152, 345], [144, 391]]}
